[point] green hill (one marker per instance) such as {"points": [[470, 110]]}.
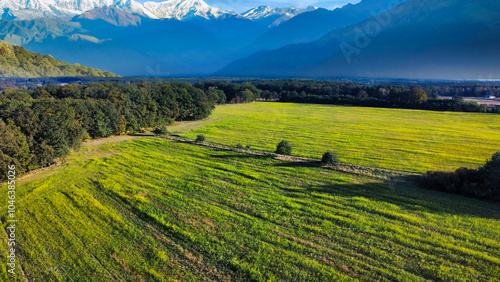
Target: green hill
{"points": [[18, 62]]}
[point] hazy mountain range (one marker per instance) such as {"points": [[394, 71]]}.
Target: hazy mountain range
{"points": [[450, 39], [446, 39]]}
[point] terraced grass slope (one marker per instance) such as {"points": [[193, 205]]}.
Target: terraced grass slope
{"points": [[151, 209], [397, 139]]}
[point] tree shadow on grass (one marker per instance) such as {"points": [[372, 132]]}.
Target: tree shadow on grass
{"points": [[238, 156], [298, 164], [407, 196]]}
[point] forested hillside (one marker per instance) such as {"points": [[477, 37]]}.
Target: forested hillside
{"points": [[37, 127], [18, 62]]}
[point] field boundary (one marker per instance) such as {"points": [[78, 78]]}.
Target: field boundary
{"points": [[379, 173]]}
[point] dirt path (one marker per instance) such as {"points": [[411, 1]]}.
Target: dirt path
{"points": [[354, 169], [113, 139], [95, 142]]}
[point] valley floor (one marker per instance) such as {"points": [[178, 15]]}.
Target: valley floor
{"points": [[149, 209]]}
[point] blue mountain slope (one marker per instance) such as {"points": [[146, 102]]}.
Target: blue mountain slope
{"points": [[313, 25], [449, 39]]}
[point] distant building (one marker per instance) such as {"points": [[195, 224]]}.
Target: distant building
{"points": [[489, 97]]}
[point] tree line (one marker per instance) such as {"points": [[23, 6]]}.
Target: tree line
{"points": [[482, 183], [41, 125], [394, 95]]}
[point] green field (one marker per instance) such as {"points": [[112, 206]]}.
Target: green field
{"points": [[149, 209], [407, 140]]}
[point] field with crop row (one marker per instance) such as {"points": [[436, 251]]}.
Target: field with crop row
{"points": [[152, 209], [398, 139]]}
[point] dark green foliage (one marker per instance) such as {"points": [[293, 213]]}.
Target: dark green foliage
{"points": [[14, 149], [233, 92], [329, 158], [389, 95], [284, 148], [409, 98], [43, 125], [483, 183], [162, 130], [200, 138]]}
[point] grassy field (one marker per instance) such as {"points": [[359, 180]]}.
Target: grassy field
{"points": [[397, 139], [149, 209]]}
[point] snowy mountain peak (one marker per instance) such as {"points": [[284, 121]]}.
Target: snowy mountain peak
{"points": [[184, 9], [170, 9], [80, 6], [36, 5], [266, 11]]}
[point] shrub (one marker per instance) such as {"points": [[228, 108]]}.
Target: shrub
{"points": [[284, 148], [495, 157], [329, 158], [200, 138], [160, 131], [248, 147], [482, 183], [239, 146]]}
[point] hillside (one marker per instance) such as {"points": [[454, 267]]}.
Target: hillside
{"points": [[18, 62], [422, 39], [112, 15], [23, 32], [153, 48], [150, 209]]}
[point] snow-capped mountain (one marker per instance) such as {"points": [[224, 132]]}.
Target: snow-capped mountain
{"points": [[27, 4], [81, 6], [184, 9], [266, 11], [170, 9], [66, 9], [29, 9]]}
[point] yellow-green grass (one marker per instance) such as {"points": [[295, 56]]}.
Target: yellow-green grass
{"points": [[150, 209], [407, 140]]}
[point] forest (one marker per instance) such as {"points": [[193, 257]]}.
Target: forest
{"points": [[39, 126], [424, 96]]}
